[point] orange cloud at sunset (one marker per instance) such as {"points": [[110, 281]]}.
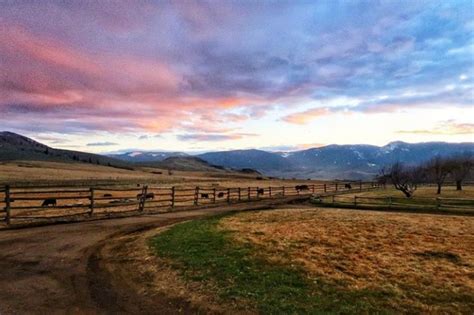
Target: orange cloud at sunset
{"points": [[307, 116]]}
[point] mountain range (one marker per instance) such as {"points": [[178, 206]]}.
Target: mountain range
{"points": [[328, 162]]}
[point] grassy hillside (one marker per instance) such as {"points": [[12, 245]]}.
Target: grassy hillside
{"points": [[14, 147]]}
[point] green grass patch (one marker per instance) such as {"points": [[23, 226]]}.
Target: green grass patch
{"points": [[236, 273]]}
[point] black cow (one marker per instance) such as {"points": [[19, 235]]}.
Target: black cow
{"points": [[205, 196], [107, 195], [348, 186], [49, 202], [220, 195], [147, 196], [301, 187], [261, 191]]}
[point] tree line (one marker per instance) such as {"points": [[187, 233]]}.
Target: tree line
{"points": [[438, 170]]}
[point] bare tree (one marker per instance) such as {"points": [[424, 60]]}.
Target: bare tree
{"points": [[403, 178], [461, 167], [438, 169]]}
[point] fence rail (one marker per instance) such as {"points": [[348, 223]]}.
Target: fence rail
{"points": [[391, 202], [27, 204]]}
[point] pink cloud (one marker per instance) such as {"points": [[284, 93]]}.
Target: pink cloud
{"points": [[98, 90], [307, 116]]}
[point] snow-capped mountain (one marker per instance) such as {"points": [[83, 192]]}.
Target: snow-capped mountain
{"points": [[335, 161]]}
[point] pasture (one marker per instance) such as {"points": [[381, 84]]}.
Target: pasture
{"points": [[72, 196], [34, 173], [450, 201], [428, 191], [307, 260]]}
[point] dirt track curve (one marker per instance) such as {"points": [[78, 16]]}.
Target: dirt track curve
{"points": [[56, 269]]}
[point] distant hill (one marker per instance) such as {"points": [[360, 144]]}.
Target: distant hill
{"points": [[145, 156], [335, 161], [17, 147], [259, 160], [185, 163]]}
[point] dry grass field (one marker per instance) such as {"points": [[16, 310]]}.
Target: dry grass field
{"points": [[32, 172], [423, 191], [307, 260], [417, 263]]}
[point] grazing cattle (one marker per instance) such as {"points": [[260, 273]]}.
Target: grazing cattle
{"points": [[107, 195], [301, 187], [220, 195], [147, 196], [205, 196], [348, 186], [261, 191], [49, 202]]}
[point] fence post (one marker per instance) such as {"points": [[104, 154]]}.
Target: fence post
{"points": [[172, 196], [360, 186], [7, 204], [333, 199], [325, 189], [336, 186], [390, 202], [141, 204], [258, 195], [438, 203], [196, 196], [270, 191], [355, 201], [248, 193], [239, 194], [228, 195], [214, 195], [283, 191], [91, 212]]}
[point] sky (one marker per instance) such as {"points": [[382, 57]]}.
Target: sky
{"points": [[107, 76]]}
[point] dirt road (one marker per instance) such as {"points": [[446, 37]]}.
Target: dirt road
{"points": [[54, 269]]}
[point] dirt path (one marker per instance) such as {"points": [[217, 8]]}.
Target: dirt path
{"points": [[55, 269]]}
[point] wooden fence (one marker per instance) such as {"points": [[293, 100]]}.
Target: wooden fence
{"points": [[29, 204], [463, 205]]}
